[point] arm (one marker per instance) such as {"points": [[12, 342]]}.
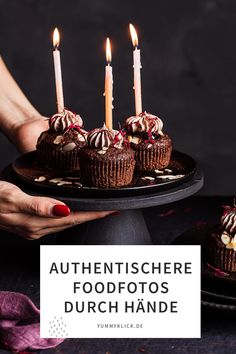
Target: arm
{"points": [[17, 115], [27, 216]]}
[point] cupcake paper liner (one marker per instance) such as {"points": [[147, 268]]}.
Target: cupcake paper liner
{"points": [[150, 157], [54, 158], [106, 172], [221, 257]]}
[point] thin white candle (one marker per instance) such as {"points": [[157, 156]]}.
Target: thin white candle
{"points": [[108, 87], [137, 71], [57, 69]]}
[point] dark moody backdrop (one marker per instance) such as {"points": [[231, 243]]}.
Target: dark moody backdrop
{"points": [[188, 77]]}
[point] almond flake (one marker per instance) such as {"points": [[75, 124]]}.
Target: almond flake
{"points": [[135, 140], [40, 179], [225, 238], [81, 138], [149, 178], [55, 180], [101, 152], [171, 177], [79, 184], [58, 139], [159, 171], [61, 183]]}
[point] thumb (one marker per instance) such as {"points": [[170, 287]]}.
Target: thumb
{"points": [[43, 206]]}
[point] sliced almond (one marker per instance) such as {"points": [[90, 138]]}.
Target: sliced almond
{"points": [[171, 177], [159, 171], [58, 140], [63, 182], [40, 179], [148, 178], [135, 140], [78, 184], [225, 238], [56, 180], [81, 138]]}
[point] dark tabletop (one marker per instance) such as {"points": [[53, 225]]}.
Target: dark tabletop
{"points": [[19, 271]]}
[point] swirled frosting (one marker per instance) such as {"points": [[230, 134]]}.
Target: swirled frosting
{"points": [[228, 221], [103, 138], [144, 123], [60, 122]]}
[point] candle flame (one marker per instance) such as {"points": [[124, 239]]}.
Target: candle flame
{"points": [[56, 38], [134, 35], [108, 50]]}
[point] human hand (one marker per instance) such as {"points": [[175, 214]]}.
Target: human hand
{"points": [[34, 217], [26, 135]]}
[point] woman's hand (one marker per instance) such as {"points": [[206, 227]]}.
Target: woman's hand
{"points": [[27, 134], [34, 217]]}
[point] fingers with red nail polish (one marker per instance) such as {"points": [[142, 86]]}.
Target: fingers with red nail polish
{"points": [[61, 210], [35, 216]]}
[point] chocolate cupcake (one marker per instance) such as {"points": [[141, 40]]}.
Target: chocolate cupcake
{"points": [[221, 243], [152, 147], [107, 160], [58, 147]]}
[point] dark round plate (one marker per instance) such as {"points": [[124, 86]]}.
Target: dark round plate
{"points": [[216, 306], [218, 298], [26, 170], [218, 289]]}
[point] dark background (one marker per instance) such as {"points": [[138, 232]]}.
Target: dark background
{"points": [[188, 77]]}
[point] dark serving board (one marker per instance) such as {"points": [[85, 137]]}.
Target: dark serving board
{"points": [[26, 170], [218, 290]]}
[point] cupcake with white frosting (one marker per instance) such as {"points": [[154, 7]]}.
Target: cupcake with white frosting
{"points": [[107, 160], [152, 147], [57, 148], [221, 242]]}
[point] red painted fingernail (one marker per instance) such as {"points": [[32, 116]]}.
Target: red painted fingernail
{"points": [[61, 210], [115, 213]]}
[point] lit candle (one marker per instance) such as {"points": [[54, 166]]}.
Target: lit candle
{"points": [[137, 69], [108, 87], [57, 69]]}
